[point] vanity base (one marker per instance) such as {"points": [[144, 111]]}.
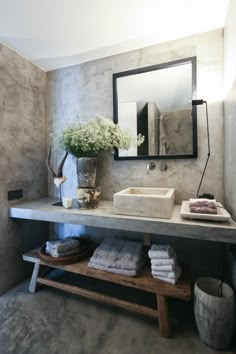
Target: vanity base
{"points": [[144, 281]]}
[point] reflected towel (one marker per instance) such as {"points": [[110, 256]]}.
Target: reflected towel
{"points": [[163, 140]]}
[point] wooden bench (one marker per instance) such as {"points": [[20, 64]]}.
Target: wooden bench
{"points": [[144, 281]]}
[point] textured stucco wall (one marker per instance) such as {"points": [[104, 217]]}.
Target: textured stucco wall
{"points": [[23, 151], [230, 107], [87, 88]]}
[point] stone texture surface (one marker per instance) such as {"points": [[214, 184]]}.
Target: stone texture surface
{"points": [[104, 217], [230, 108], [87, 89], [23, 151], [55, 322]]}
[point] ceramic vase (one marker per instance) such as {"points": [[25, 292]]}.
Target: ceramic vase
{"points": [[88, 194]]}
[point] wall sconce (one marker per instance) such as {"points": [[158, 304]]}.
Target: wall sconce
{"points": [[205, 195]]}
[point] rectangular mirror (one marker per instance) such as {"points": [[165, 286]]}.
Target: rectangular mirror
{"points": [[155, 101]]}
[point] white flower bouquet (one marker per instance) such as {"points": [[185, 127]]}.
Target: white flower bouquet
{"points": [[100, 134]]}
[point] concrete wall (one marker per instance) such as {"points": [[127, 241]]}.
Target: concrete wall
{"points": [[87, 89], [23, 151], [230, 108]]}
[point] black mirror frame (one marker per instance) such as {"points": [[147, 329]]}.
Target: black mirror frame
{"points": [[193, 61]]}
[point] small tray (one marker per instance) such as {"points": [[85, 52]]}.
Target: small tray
{"points": [[222, 215], [85, 250]]}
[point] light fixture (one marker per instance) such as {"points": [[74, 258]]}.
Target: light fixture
{"points": [[205, 195]]}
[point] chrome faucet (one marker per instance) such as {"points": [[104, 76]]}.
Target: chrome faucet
{"points": [[150, 167]]}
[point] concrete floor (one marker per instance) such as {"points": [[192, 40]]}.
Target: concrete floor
{"points": [[53, 322]]}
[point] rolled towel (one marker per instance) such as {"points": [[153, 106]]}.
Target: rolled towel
{"points": [[172, 275], [202, 210], [201, 202], [66, 244], [167, 261], [163, 268], [161, 252], [61, 254]]}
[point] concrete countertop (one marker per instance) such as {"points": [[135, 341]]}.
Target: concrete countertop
{"points": [[104, 217]]}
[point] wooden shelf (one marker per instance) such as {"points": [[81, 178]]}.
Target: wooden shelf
{"points": [[143, 281]]}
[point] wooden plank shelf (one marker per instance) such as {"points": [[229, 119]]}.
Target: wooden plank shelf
{"points": [[143, 281]]}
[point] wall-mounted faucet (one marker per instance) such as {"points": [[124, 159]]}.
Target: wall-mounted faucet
{"points": [[163, 167], [150, 167]]}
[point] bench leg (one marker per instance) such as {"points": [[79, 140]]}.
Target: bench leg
{"points": [[33, 282], [164, 323]]}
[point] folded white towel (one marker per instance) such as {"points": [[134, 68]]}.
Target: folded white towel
{"points": [[161, 252], [172, 275], [163, 268], [167, 280], [119, 254], [66, 244], [126, 272], [61, 254], [167, 261]]}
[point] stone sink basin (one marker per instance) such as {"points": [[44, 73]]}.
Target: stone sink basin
{"points": [[150, 202]]}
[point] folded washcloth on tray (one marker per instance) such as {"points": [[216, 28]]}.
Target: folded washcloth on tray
{"points": [[202, 202], [203, 206], [203, 210], [118, 256], [161, 252], [66, 244]]}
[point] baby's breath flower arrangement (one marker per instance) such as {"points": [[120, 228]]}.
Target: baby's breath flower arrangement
{"points": [[100, 134]]}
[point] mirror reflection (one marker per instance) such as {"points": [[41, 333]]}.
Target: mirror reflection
{"points": [[156, 102]]}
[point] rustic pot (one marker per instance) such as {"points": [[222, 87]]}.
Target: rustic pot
{"points": [[214, 314], [88, 198], [86, 171]]}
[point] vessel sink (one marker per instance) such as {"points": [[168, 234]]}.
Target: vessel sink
{"points": [[141, 201]]}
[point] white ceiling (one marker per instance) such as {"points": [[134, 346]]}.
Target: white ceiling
{"points": [[58, 33]]}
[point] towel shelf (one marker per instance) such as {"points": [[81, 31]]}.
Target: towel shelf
{"points": [[144, 281]]}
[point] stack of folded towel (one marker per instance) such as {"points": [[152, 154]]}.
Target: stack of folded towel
{"points": [[203, 206], [62, 248], [118, 256], [164, 265]]}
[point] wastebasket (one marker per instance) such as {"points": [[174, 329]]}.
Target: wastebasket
{"points": [[214, 312]]}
